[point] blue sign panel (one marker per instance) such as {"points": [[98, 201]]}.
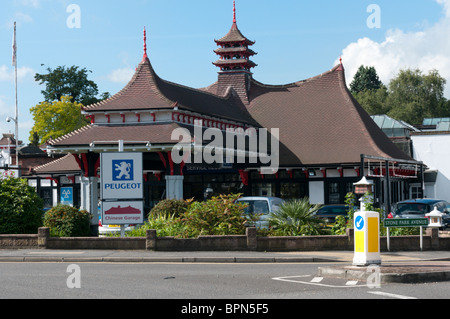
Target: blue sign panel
{"points": [[123, 170], [359, 223], [66, 196]]}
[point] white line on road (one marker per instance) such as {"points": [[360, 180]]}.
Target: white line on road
{"points": [[351, 283], [314, 282], [317, 279], [386, 294]]}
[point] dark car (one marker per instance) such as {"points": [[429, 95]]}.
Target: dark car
{"points": [[418, 208], [329, 212]]}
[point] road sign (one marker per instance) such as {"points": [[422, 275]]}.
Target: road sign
{"points": [[66, 197], [121, 176], [4, 174], [122, 212], [359, 222], [406, 222]]}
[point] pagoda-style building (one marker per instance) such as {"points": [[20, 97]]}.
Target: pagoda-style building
{"points": [[323, 132]]}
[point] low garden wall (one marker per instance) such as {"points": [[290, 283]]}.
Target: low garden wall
{"points": [[432, 240]]}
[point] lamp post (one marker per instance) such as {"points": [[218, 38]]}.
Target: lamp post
{"points": [[361, 188]]}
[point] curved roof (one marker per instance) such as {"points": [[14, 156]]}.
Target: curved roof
{"points": [[233, 36], [146, 90], [319, 120]]}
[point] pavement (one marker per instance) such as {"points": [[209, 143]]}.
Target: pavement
{"points": [[345, 257], [404, 267]]}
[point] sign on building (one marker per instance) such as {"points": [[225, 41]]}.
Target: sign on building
{"points": [[66, 197]]}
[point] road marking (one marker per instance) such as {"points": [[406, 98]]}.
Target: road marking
{"points": [[313, 282], [317, 279], [386, 294], [351, 283]]}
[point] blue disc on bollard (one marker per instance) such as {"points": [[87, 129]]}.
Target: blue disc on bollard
{"points": [[359, 222]]}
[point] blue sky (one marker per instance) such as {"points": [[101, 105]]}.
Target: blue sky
{"points": [[295, 40]]}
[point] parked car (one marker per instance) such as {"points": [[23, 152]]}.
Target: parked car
{"points": [[262, 206], [417, 208], [328, 213]]}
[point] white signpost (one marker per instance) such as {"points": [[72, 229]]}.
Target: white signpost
{"points": [[121, 176], [122, 189]]}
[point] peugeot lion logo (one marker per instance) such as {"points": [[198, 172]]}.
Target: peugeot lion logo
{"points": [[122, 170]]}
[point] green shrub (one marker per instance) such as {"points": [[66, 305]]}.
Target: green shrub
{"points": [[165, 226], [295, 218], [219, 215], [21, 209], [169, 207], [67, 221]]}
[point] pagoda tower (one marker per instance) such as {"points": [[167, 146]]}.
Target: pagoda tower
{"points": [[234, 62]]}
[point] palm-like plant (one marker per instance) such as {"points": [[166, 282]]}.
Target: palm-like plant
{"points": [[296, 218]]}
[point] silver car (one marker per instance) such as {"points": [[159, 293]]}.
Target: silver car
{"points": [[261, 206]]}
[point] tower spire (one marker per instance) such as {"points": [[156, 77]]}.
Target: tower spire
{"points": [[234, 11], [145, 44]]}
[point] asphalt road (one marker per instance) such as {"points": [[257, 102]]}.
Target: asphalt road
{"points": [[186, 281]]}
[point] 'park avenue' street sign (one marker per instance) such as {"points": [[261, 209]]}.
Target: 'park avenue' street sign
{"points": [[406, 222]]}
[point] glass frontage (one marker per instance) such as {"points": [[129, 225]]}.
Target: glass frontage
{"points": [[204, 186]]}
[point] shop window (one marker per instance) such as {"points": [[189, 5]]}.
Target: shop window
{"points": [[293, 190], [263, 189], [334, 195]]}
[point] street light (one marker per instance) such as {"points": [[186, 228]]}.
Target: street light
{"points": [[363, 186]]}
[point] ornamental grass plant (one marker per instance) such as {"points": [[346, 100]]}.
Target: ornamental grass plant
{"points": [[295, 218]]}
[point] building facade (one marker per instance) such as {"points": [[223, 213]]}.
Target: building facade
{"points": [[313, 130]]}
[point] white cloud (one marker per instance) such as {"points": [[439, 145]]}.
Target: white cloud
{"points": [[7, 73], [426, 50], [28, 3], [122, 75]]}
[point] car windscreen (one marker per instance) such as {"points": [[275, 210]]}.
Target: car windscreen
{"points": [[412, 209], [337, 210], [256, 206]]}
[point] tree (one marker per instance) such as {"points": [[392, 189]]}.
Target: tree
{"points": [[366, 78], [21, 208], [374, 101], [71, 81], [414, 96], [55, 119]]}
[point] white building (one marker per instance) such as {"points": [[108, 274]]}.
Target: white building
{"points": [[433, 148]]}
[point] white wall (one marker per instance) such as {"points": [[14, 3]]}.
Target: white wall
{"points": [[434, 151], [316, 192]]}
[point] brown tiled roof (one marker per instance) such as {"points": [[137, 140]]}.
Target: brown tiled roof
{"points": [[153, 133], [234, 35], [319, 121], [147, 90], [65, 164]]}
